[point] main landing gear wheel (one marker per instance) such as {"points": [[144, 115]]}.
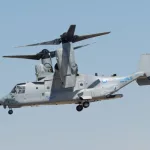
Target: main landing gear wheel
{"points": [[79, 108], [86, 104], [10, 112]]}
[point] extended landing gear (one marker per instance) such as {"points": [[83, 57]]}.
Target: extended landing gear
{"points": [[10, 112], [81, 106], [86, 104]]}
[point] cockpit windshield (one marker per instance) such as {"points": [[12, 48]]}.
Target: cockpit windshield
{"points": [[18, 89], [13, 90]]}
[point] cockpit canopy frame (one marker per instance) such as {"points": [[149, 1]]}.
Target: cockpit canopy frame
{"points": [[18, 89]]}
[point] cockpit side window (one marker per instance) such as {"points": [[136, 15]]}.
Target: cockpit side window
{"points": [[20, 89]]}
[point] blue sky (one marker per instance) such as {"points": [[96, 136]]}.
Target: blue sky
{"points": [[117, 124]]}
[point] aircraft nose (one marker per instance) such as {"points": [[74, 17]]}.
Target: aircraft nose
{"points": [[2, 100]]}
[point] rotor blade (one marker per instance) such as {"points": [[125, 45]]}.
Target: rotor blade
{"points": [[35, 57], [77, 47], [71, 30], [53, 42], [83, 37], [40, 54], [53, 53]]}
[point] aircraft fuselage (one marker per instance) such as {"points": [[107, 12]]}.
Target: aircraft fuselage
{"points": [[49, 91]]}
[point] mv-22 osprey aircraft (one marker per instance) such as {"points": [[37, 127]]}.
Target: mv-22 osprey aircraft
{"points": [[65, 85]]}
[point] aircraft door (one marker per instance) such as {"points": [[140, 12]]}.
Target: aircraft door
{"points": [[47, 89], [47, 85]]}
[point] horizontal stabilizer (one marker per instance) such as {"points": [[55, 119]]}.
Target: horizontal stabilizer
{"points": [[143, 81]]}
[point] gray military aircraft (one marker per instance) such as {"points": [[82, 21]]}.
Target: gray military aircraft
{"points": [[65, 85]]}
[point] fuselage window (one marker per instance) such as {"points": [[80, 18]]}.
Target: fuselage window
{"points": [[81, 84]]}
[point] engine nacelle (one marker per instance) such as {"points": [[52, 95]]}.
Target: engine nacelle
{"points": [[44, 69], [66, 65], [47, 62], [41, 71]]}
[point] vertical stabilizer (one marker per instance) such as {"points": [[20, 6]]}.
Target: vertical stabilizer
{"points": [[144, 66]]}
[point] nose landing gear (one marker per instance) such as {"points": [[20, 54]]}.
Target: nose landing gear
{"points": [[10, 112]]}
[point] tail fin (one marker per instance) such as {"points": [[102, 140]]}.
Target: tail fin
{"points": [[144, 66]]}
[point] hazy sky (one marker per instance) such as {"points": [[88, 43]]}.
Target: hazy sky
{"points": [[121, 124]]}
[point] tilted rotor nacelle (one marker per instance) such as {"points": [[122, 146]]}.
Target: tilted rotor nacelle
{"points": [[66, 66]]}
